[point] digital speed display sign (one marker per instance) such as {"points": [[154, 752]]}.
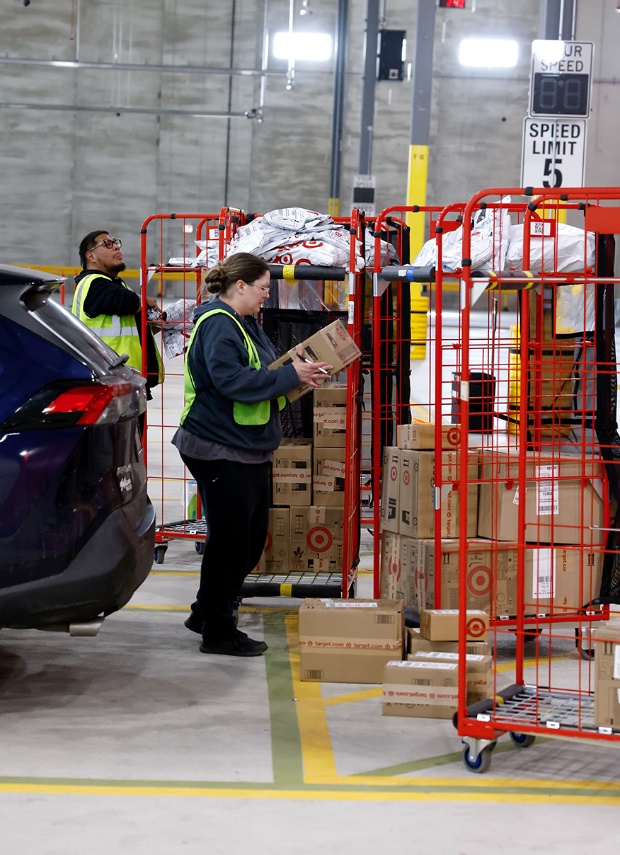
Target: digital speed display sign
{"points": [[560, 78]]}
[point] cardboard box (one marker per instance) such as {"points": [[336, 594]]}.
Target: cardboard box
{"points": [[490, 573], [419, 435], [607, 675], [397, 575], [292, 473], [329, 477], [417, 643], [410, 561], [443, 624], [330, 415], [559, 369], [561, 579], [390, 512], [349, 641], [420, 689], [317, 535], [391, 567], [332, 344], [563, 503], [479, 671], [417, 494], [278, 547]]}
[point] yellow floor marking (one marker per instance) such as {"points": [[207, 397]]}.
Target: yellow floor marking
{"points": [[457, 794], [502, 667], [320, 765], [174, 573], [149, 607], [316, 745], [352, 697], [137, 607]]}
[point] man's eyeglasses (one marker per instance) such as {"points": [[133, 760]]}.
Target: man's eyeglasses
{"points": [[109, 243]]}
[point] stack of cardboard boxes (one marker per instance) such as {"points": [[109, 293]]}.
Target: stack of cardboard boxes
{"points": [[564, 512], [607, 674], [307, 514], [410, 493], [349, 641], [426, 684]]}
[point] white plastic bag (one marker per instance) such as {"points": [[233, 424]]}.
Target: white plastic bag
{"points": [[177, 327], [569, 251], [488, 246]]}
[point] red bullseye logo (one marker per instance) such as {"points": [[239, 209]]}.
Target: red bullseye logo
{"points": [[406, 477], [394, 568], [393, 473], [475, 628], [454, 436], [479, 581], [319, 539], [269, 542]]}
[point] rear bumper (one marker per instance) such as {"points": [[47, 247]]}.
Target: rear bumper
{"points": [[102, 577]]}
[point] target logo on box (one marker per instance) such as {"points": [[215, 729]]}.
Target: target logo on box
{"points": [[319, 539]]}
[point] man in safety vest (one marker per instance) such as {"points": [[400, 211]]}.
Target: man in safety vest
{"points": [[110, 308]]}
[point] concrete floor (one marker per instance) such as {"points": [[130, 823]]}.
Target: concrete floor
{"points": [[134, 740]]}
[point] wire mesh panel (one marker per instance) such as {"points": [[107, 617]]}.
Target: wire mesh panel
{"points": [[534, 393], [304, 299], [175, 250]]}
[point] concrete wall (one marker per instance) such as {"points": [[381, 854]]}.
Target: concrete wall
{"points": [[99, 147]]}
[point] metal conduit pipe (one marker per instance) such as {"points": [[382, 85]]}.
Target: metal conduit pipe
{"points": [[147, 111], [136, 66]]}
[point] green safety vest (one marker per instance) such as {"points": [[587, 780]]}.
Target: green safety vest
{"points": [[243, 414], [120, 332]]}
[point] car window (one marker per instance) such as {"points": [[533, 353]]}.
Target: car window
{"points": [[72, 332]]}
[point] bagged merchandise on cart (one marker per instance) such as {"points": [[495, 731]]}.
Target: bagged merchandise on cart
{"points": [[489, 243], [296, 236], [562, 253], [177, 326]]}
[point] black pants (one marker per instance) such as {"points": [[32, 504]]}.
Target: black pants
{"points": [[235, 499]]}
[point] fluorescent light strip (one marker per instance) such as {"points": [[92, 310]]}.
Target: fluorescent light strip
{"points": [[488, 53]]}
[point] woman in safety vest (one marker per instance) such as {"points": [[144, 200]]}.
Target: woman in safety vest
{"points": [[229, 430]]}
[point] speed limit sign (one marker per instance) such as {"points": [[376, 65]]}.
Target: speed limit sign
{"points": [[554, 153]]}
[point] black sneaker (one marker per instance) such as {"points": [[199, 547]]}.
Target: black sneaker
{"points": [[194, 623], [238, 645]]}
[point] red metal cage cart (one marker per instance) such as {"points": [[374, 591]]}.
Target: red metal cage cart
{"points": [[535, 389], [321, 294]]}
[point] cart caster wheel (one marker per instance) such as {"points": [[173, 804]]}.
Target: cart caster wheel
{"points": [[532, 634], [522, 740], [199, 546], [160, 553], [586, 653], [482, 761]]}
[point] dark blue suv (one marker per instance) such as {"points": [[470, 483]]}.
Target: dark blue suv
{"points": [[76, 526]]}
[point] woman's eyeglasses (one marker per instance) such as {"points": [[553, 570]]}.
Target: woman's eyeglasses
{"points": [[264, 289]]}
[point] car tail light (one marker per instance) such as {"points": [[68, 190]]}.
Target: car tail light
{"points": [[61, 405], [91, 405]]}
